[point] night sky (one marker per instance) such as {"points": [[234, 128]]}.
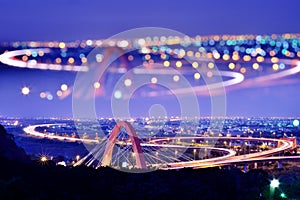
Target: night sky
{"points": [[68, 20], [79, 19]]}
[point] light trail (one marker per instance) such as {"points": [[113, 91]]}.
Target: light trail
{"points": [[253, 160], [274, 76], [237, 78], [8, 58], [284, 145], [31, 131]]}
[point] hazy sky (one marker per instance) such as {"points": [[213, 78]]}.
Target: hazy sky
{"points": [[84, 19], [81, 19]]}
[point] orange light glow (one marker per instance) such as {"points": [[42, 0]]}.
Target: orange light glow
{"points": [[243, 70], [274, 60], [247, 58], [225, 57]]}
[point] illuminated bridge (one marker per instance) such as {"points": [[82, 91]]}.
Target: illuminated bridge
{"points": [[123, 149]]}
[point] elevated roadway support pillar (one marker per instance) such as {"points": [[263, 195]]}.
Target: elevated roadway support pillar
{"points": [[245, 168], [279, 162], [255, 165]]}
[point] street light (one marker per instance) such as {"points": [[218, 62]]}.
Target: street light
{"points": [[283, 195], [274, 183], [194, 153], [43, 159]]}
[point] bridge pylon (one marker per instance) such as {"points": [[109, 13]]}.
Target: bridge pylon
{"points": [[137, 149]]}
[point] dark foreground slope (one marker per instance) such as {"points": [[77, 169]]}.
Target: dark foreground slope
{"points": [[33, 181], [20, 179], [9, 149]]}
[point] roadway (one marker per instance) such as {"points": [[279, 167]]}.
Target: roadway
{"points": [[230, 157]]}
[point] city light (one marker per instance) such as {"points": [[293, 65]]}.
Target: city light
{"points": [[296, 122], [62, 45], [43, 158], [62, 163]]}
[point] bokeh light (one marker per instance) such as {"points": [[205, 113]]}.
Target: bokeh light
{"points": [[197, 76], [166, 63], [64, 87], [243, 70], [43, 158], [195, 65], [211, 65], [231, 66], [62, 45], [49, 97], [43, 95], [154, 80], [127, 82], [178, 64], [275, 67], [176, 78], [296, 123], [118, 94], [255, 66], [59, 93], [25, 90], [96, 85]]}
